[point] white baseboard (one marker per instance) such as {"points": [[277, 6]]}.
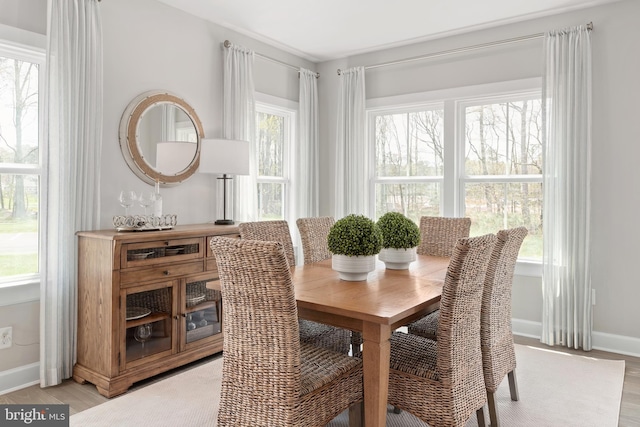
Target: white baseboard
{"points": [[19, 378], [620, 344]]}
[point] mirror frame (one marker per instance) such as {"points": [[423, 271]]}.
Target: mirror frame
{"points": [[129, 143]]}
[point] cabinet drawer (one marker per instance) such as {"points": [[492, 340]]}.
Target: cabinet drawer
{"points": [[138, 276], [161, 252]]}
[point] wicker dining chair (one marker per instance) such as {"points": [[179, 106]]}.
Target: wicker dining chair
{"points": [[441, 382], [319, 334], [313, 233], [438, 235], [496, 336], [269, 377], [270, 231]]}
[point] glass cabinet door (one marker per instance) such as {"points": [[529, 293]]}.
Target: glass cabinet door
{"points": [[149, 322], [202, 311]]}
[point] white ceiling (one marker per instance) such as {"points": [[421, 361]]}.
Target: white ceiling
{"points": [[329, 29]]}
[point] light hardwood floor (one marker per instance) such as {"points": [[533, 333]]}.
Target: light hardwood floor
{"points": [[80, 397]]}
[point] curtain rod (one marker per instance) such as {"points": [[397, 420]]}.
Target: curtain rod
{"points": [[461, 50], [228, 44]]}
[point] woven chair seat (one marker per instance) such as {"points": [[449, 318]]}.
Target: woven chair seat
{"points": [[414, 355], [320, 367], [319, 334]]}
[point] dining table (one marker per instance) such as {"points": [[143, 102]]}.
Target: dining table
{"points": [[387, 300]]}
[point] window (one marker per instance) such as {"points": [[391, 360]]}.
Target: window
{"points": [[274, 130], [502, 180], [21, 170], [409, 162], [466, 154]]}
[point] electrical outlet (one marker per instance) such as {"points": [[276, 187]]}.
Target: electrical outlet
{"points": [[6, 337]]}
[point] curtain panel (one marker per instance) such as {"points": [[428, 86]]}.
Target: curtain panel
{"points": [[73, 137], [566, 281], [307, 150], [240, 124], [352, 152]]}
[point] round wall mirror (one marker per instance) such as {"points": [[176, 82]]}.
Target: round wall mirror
{"points": [[160, 138]]}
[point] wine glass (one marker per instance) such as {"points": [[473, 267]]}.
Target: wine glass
{"points": [[146, 199], [126, 200], [143, 333]]}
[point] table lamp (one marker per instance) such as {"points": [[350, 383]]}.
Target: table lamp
{"points": [[225, 157], [173, 157]]}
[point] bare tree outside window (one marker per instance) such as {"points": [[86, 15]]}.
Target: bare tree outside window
{"points": [[503, 166], [272, 134], [408, 153]]}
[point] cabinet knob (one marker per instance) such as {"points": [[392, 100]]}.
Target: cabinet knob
{"points": [[176, 317], [166, 272]]}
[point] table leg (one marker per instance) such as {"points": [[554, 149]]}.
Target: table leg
{"points": [[376, 353]]}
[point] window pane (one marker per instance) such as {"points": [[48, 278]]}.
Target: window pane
{"points": [[271, 136], [409, 144], [493, 207], [504, 138], [413, 200], [18, 112], [270, 201], [19, 201]]}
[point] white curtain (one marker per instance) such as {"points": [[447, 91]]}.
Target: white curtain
{"points": [[240, 124], [566, 281], [73, 137], [307, 174], [352, 153]]}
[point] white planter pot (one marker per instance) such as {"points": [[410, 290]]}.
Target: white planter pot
{"points": [[397, 259], [353, 268]]}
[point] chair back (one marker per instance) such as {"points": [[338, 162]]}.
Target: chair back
{"points": [[458, 346], [438, 235], [261, 336], [270, 231], [498, 355], [313, 233]]}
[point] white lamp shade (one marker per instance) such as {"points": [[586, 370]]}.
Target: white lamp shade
{"points": [[224, 156], [173, 157]]}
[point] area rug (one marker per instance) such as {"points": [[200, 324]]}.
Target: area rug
{"points": [[556, 389]]}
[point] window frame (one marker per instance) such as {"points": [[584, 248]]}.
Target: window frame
{"points": [[454, 177], [27, 46], [289, 109]]}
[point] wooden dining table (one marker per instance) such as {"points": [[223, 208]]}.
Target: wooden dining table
{"points": [[387, 300]]}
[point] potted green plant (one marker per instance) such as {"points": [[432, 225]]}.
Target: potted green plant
{"points": [[400, 237], [354, 242]]}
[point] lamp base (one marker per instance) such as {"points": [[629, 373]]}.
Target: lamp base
{"points": [[224, 222]]}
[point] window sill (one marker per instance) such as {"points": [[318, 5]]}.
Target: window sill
{"points": [[528, 268], [19, 292]]}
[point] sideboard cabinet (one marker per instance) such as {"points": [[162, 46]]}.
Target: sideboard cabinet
{"points": [[147, 303]]}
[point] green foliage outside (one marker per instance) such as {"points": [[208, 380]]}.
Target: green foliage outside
{"points": [[355, 235], [398, 231], [19, 263], [14, 265]]}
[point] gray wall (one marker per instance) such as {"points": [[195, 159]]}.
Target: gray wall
{"points": [[30, 15], [149, 45], [616, 87]]}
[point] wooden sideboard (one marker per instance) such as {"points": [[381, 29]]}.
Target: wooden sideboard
{"points": [[143, 303]]}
